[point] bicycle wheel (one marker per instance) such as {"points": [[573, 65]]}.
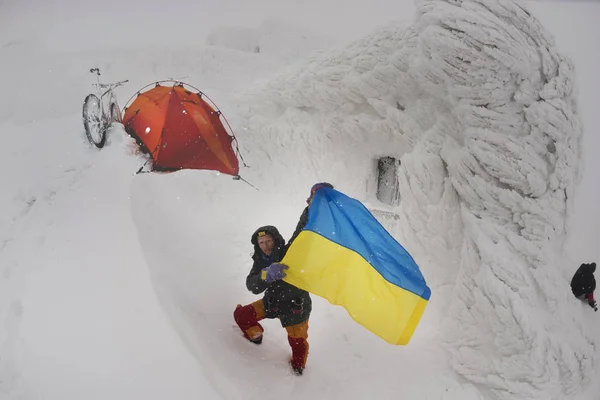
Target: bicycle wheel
{"points": [[115, 113], [95, 128]]}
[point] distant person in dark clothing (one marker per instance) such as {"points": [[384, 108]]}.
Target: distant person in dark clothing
{"points": [[583, 284]]}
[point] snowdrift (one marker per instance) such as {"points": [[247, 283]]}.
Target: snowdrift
{"points": [[479, 106]]}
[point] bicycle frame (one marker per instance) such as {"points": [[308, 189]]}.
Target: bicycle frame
{"points": [[108, 98]]}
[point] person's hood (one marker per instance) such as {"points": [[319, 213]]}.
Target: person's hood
{"points": [[267, 230]]}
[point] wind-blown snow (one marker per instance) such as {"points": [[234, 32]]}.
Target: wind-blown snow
{"points": [[480, 107], [514, 165], [115, 285]]}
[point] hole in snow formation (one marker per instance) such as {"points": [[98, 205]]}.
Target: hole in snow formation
{"points": [[387, 181]]}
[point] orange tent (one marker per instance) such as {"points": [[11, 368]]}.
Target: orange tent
{"points": [[180, 130]]}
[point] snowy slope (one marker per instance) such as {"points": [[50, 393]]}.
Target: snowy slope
{"points": [[79, 310], [80, 317], [123, 286]]}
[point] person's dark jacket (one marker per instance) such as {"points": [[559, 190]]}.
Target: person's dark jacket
{"points": [[281, 299], [583, 281], [301, 223]]}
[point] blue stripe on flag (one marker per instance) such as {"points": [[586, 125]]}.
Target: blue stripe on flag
{"points": [[347, 222]]}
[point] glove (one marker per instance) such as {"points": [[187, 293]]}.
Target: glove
{"points": [[593, 305], [274, 272]]}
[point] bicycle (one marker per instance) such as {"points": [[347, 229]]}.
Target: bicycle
{"points": [[99, 112]]}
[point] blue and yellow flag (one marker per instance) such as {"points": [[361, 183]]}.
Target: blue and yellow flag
{"points": [[344, 255]]}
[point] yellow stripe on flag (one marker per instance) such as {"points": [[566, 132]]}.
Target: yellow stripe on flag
{"points": [[345, 278]]}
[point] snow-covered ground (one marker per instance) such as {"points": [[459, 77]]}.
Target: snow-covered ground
{"points": [[123, 286]]}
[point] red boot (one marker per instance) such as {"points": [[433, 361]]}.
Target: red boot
{"points": [[247, 318], [297, 337]]}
